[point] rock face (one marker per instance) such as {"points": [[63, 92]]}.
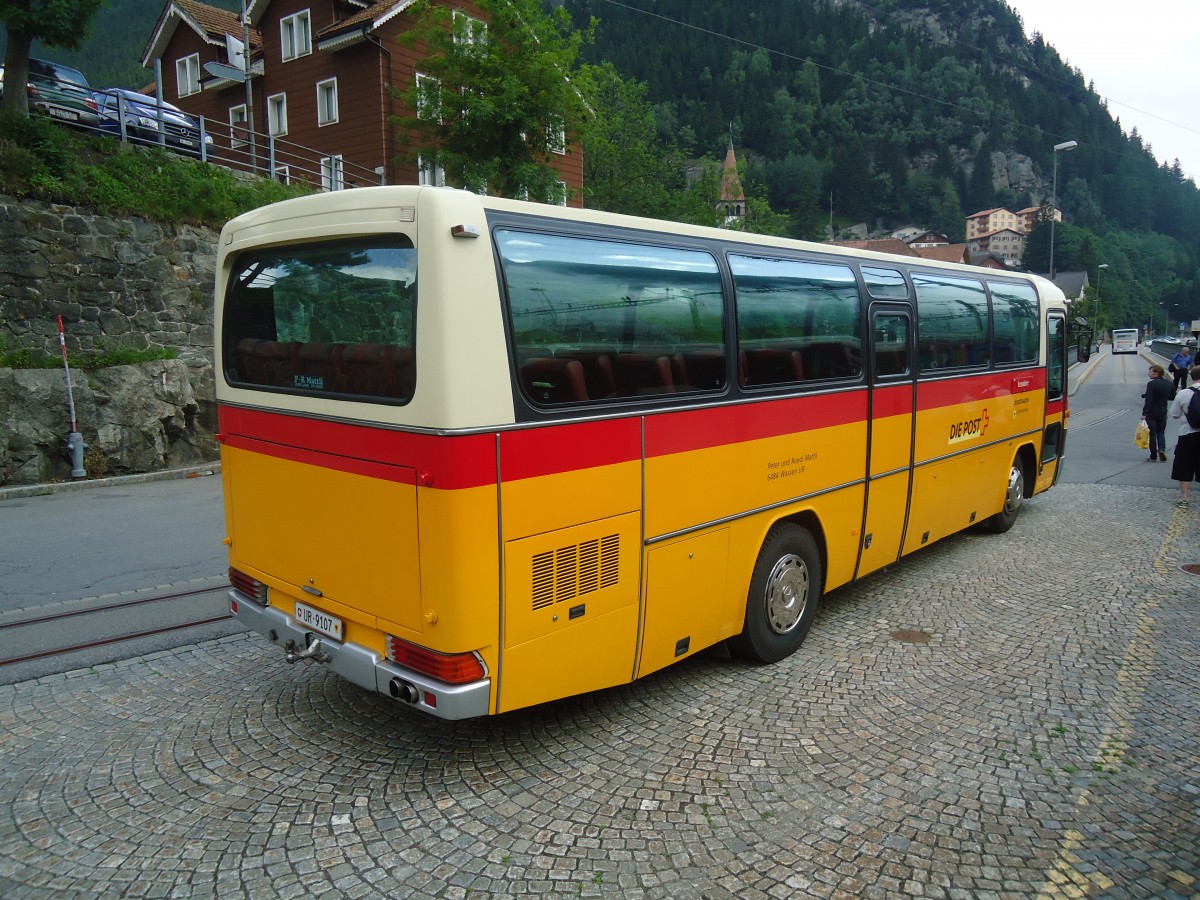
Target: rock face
{"points": [[118, 284], [1015, 172], [133, 419]]}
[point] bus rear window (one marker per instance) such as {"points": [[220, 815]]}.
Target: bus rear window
{"points": [[335, 318]]}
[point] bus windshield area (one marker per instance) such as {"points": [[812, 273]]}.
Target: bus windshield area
{"points": [[332, 319]]}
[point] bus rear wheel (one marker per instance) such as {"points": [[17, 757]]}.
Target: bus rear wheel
{"points": [[1014, 496], [785, 589]]}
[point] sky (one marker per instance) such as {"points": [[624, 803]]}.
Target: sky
{"points": [[1144, 58]]}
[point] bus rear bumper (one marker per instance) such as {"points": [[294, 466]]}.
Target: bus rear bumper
{"points": [[364, 667]]}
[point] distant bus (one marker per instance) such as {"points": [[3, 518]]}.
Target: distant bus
{"points": [[480, 454], [1125, 340]]}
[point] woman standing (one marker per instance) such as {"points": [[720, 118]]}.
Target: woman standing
{"points": [[1155, 401]]}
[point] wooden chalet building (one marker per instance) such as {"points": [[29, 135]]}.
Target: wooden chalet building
{"points": [[321, 79]]}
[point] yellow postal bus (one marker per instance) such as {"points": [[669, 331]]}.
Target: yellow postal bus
{"points": [[480, 454]]}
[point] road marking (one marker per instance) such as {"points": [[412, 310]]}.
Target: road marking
{"points": [[1063, 878]]}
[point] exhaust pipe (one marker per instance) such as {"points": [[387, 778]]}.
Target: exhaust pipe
{"points": [[404, 691]]}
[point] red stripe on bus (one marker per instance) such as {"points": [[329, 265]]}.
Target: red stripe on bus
{"points": [[680, 432], [895, 400], [569, 447], [953, 391], [383, 471], [451, 462]]}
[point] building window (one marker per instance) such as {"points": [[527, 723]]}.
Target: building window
{"points": [[277, 123], [295, 34], [468, 31], [560, 194], [327, 102], [556, 136], [283, 174], [239, 132], [331, 173], [187, 75], [430, 173], [429, 97]]}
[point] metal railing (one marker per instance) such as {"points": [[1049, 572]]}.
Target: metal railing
{"points": [[238, 148], [138, 119]]}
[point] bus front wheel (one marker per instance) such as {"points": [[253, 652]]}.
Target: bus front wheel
{"points": [[1014, 495], [785, 588]]}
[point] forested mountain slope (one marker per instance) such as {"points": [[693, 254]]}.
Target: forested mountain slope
{"points": [[921, 111]]}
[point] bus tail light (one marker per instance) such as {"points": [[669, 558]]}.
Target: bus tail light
{"points": [[451, 668], [251, 587]]}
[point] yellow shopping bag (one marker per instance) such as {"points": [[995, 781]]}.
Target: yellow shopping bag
{"points": [[1141, 435]]}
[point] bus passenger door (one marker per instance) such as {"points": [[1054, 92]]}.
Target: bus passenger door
{"points": [[890, 438], [1054, 433]]}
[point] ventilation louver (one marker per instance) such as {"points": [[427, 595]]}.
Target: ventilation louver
{"points": [[569, 572]]}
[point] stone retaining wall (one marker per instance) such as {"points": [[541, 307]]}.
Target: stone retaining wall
{"points": [[117, 283]]}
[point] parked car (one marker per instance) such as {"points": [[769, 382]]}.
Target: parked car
{"points": [[59, 92], [144, 120]]}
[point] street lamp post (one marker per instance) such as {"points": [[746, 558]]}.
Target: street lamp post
{"points": [[1058, 148]]}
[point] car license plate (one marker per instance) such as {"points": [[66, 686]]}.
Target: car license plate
{"points": [[57, 113], [186, 142], [318, 621]]}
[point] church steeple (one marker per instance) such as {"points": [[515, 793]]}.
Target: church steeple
{"points": [[733, 201]]}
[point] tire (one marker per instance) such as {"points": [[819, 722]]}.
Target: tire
{"points": [[1014, 495], [785, 589]]}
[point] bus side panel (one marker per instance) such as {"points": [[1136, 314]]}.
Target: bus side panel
{"points": [[571, 611], [572, 532], [684, 588]]}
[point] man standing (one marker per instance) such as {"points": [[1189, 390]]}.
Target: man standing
{"points": [[1180, 363], [1186, 467], [1155, 401]]}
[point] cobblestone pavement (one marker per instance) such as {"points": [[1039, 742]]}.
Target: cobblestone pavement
{"points": [[998, 716]]}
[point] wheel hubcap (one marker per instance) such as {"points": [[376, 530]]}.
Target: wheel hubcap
{"points": [[1016, 491], [787, 594]]}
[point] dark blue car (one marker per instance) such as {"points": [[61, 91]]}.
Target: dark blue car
{"points": [[138, 118]]}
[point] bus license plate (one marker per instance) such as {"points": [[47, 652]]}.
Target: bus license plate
{"points": [[318, 621]]}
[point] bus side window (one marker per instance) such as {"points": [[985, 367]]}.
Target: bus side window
{"points": [[797, 321], [953, 322], [634, 320], [1015, 320]]}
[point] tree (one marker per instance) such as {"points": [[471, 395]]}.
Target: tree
{"points": [[626, 167], [496, 102], [56, 23]]}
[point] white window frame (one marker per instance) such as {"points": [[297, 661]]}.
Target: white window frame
{"points": [[283, 174], [429, 173], [561, 199], [187, 75], [333, 173], [467, 30], [238, 119], [556, 136], [277, 119], [295, 35], [327, 102], [429, 97]]}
